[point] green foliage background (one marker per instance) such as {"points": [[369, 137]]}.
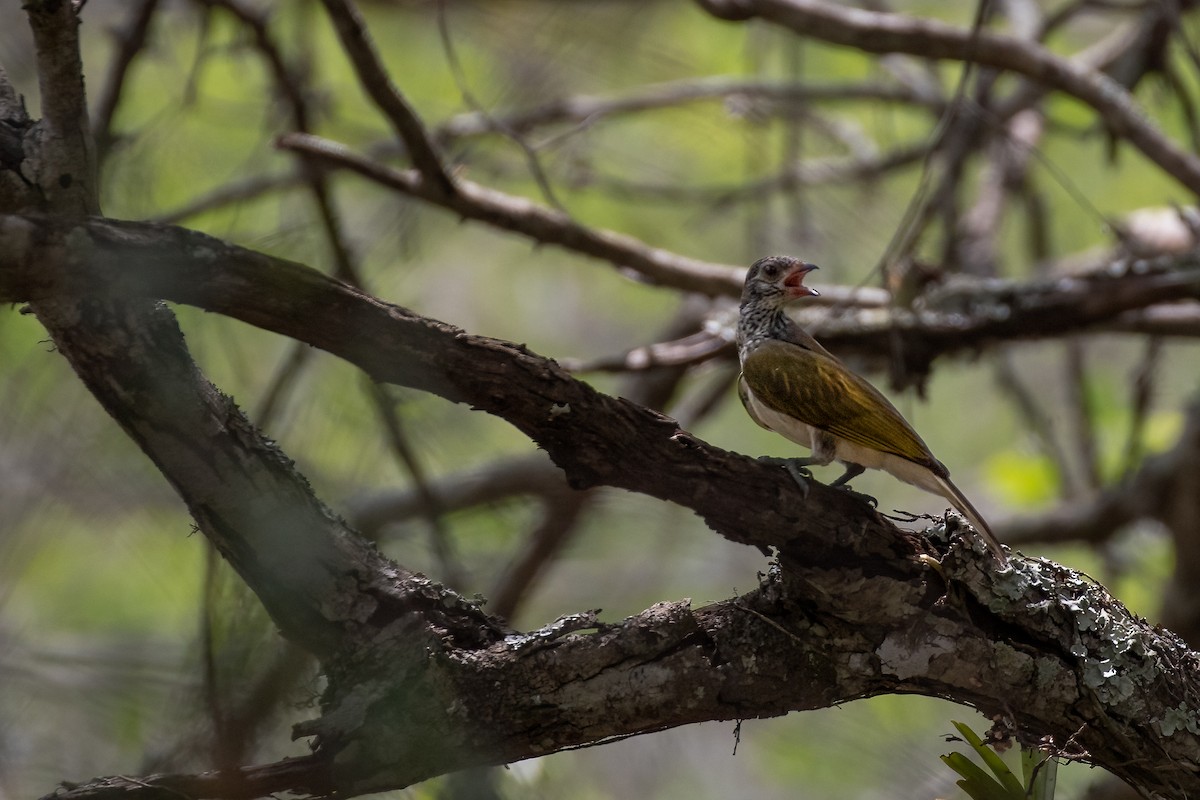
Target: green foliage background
{"points": [[101, 580]]}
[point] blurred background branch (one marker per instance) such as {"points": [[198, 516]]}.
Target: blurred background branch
{"points": [[1051, 277]]}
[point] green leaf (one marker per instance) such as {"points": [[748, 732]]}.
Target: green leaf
{"points": [[996, 764], [1041, 774], [975, 781]]}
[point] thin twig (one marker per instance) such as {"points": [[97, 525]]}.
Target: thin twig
{"points": [[430, 506], [876, 32], [1082, 413], [292, 90], [838, 170], [1141, 400], [131, 41], [561, 513], [694, 348], [238, 191], [378, 85], [541, 224], [768, 98], [926, 197], [1037, 422], [460, 78], [347, 270], [528, 476], [290, 368]]}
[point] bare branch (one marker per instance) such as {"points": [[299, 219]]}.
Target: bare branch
{"points": [[1142, 296], [377, 84], [505, 479], [1035, 419], [561, 513], [308, 774], [65, 166], [969, 314], [1142, 397], [429, 506], [131, 41], [1153, 491], [1172, 320], [876, 32], [460, 77], [238, 191], [1082, 415], [415, 648], [837, 170], [519, 215], [746, 96]]}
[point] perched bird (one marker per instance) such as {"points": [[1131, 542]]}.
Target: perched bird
{"points": [[793, 386]]}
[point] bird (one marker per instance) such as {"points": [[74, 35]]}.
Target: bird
{"points": [[791, 385]]}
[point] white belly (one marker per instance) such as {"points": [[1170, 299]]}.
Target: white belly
{"points": [[843, 450], [788, 427]]}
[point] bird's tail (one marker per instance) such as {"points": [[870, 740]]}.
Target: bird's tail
{"points": [[960, 502]]}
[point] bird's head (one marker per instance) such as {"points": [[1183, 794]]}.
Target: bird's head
{"points": [[779, 279]]}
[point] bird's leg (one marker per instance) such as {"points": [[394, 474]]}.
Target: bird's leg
{"points": [[796, 467], [852, 471], [843, 483]]}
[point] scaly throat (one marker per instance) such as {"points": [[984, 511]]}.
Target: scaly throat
{"points": [[759, 321]]}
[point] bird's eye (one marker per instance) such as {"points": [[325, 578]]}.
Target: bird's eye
{"points": [[770, 271]]}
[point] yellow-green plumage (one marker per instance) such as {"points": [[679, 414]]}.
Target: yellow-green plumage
{"points": [[821, 392], [793, 386]]}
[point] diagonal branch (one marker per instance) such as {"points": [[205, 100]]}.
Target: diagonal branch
{"points": [[876, 32], [378, 85], [421, 684], [547, 226], [542, 224]]}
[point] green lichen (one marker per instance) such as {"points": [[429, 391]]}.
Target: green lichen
{"points": [[1180, 718], [1113, 647]]}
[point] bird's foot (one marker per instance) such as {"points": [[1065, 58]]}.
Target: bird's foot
{"points": [[866, 498], [796, 467]]}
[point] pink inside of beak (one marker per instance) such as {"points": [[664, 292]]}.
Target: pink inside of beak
{"points": [[794, 282]]}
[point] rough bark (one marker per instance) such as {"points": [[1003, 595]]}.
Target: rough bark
{"points": [[421, 682]]}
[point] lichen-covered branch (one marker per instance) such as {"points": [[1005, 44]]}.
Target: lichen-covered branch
{"points": [[421, 683]]}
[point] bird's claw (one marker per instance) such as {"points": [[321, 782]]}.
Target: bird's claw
{"points": [[795, 467], [866, 498]]}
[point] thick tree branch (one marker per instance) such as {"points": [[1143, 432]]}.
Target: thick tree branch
{"points": [[421, 684], [63, 158]]}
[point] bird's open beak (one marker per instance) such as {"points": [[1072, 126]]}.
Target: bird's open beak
{"points": [[794, 281]]}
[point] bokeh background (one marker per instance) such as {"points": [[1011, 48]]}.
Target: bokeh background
{"points": [[126, 646]]}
